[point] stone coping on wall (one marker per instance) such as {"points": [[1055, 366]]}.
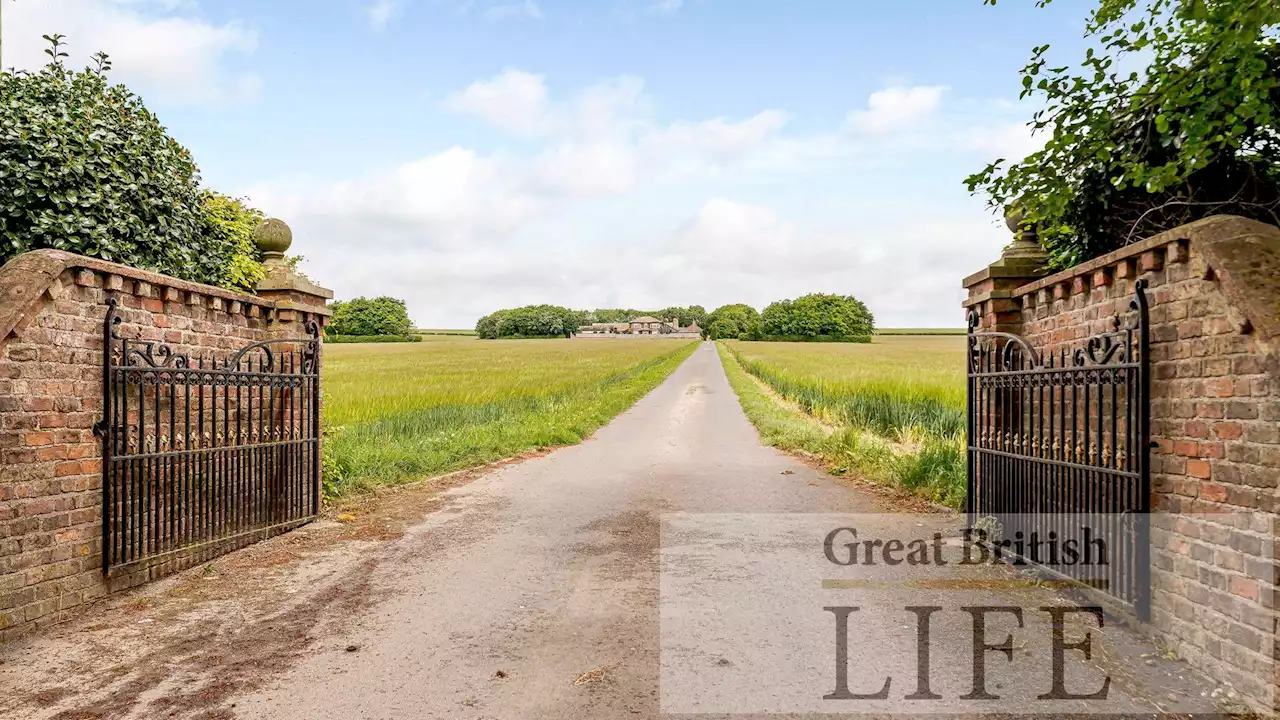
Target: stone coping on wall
{"points": [[27, 277], [1243, 254]]}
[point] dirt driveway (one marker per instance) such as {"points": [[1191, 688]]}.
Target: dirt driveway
{"points": [[611, 579]]}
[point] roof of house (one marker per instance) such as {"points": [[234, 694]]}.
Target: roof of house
{"points": [[646, 319]]}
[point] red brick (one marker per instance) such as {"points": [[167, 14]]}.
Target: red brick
{"points": [[1198, 469], [64, 469], [1220, 387], [37, 438], [1209, 410], [1186, 448], [1213, 493], [1243, 587], [1227, 430]]}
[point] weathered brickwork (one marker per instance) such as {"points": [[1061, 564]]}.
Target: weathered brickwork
{"points": [[52, 307], [1215, 428]]}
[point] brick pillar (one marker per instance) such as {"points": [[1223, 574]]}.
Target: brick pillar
{"points": [[991, 289], [298, 302], [294, 295]]}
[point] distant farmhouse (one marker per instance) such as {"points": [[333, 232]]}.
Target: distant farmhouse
{"points": [[643, 326]]}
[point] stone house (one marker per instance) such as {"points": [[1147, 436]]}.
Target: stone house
{"points": [[648, 325]]}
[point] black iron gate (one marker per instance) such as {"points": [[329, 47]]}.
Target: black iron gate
{"points": [[204, 451], [1059, 451]]}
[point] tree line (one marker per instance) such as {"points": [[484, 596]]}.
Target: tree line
{"points": [[384, 317], [817, 317], [814, 317]]}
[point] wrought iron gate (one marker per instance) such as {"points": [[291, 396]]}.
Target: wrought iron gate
{"points": [[199, 452], [1059, 447]]}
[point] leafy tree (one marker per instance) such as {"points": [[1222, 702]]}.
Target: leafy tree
{"points": [[487, 326], [618, 315], [723, 329], [530, 321], [686, 315], [818, 316], [364, 316], [1129, 154], [85, 167], [738, 316]]}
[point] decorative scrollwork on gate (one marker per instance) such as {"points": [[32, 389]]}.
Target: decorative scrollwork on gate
{"points": [[1065, 430], [199, 449]]}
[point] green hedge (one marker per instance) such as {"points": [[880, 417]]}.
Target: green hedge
{"points": [[86, 168], [372, 338], [816, 338]]}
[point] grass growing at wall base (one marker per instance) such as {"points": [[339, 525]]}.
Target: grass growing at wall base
{"points": [[406, 446], [929, 465]]}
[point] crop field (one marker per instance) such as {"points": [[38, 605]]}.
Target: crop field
{"points": [[892, 409], [399, 412], [921, 331]]}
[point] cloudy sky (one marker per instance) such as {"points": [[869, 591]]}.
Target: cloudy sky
{"points": [[468, 155]]}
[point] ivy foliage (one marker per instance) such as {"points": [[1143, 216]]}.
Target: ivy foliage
{"points": [[366, 317], [818, 316], [1195, 132], [531, 321], [86, 168]]}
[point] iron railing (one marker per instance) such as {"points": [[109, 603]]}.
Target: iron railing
{"points": [[1059, 445], [201, 452]]}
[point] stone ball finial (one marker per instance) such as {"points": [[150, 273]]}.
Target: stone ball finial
{"points": [[1013, 216], [273, 237]]}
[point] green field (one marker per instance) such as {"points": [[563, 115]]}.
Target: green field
{"points": [[398, 412], [920, 331], [466, 333], [891, 410]]}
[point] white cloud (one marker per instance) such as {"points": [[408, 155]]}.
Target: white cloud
{"points": [[718, 140], [514, 100], [173, 58], [584, 169], [896, 108], [519, 10], [446, 200], [1012, 141], [382, 12], [612, 207], [666, 7]]}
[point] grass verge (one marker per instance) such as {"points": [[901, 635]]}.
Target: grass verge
{"points": [[410, 444], [927, 464]]}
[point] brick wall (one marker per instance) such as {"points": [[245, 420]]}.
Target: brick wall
{"points": [[1214, 294], [52, 308]]}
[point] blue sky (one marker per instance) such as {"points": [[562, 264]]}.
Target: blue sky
{"points": [[473, 154]]}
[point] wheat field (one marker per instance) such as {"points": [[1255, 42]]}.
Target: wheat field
{"points": [[399, 411], [897, 404]]}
